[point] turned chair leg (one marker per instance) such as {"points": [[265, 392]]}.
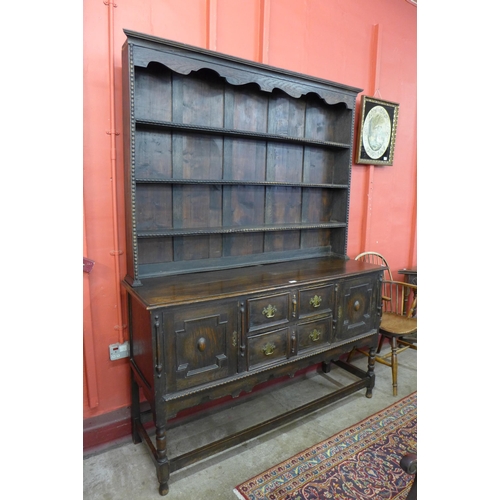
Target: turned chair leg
{"points": [[394, 365], [380, 343]]}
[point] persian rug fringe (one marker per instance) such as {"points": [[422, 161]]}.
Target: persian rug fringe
{"points": [[237, 493], [358, 463]]}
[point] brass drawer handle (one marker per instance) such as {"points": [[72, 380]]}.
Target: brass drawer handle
{"points": [[315, 335], [268, 349], [269, 311], [315, 301]]}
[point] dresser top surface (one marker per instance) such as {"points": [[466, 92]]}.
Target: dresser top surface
{"points": [[227, 283]]}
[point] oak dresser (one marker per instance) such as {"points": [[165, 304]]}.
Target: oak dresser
{"points": [[237, 179]]}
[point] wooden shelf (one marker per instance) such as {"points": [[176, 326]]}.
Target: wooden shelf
{"points": [[231, 182], [241, 134], [237, 229], [224, 156]]}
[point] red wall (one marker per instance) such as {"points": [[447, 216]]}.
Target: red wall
{"points": [[370, 44]]}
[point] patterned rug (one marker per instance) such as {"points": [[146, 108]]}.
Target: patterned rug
{"points": [[361, 462]]}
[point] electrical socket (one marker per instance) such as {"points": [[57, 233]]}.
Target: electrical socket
{"points": [[119, 351]]}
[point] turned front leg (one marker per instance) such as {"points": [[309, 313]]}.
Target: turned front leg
{"points": [[371, 372], [394, 363], [162, 463]]}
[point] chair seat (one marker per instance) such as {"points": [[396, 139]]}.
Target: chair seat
{"points": [[397, 325]]}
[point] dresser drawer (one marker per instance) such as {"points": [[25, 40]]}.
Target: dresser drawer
{"points": [[315, 300], [314, 334], [267, 311], [268, 348]]}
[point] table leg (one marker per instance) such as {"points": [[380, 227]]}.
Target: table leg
{"points": [[371, 372]]}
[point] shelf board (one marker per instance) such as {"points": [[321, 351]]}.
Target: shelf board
{"points": [[231, 262], [159, 233], [231, 182], [242, 134]]}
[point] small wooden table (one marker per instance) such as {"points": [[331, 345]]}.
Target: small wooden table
{"points": [[410, 276]]}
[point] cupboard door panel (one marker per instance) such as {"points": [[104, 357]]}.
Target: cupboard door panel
{"points": [[202, 344], [356, 308]]}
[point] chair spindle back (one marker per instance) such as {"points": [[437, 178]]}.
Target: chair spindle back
{"points": [[376, 258], [400, 298]]}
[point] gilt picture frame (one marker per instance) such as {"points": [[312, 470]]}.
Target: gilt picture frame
{"points": [[377, 127]]}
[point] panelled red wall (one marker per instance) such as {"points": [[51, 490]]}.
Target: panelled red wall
{"points": [[370, 44]]}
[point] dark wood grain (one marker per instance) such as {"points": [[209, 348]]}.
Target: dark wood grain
{"points": [[237, 179], [186, 288], [196, 121]]}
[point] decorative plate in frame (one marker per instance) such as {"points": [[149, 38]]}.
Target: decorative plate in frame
{"points": [[377, 131]]}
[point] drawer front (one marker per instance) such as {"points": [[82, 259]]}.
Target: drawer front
{"points": [[356, 309], [202, 344], [314, 334], [264, 312], [315, 300], [268, 348]]}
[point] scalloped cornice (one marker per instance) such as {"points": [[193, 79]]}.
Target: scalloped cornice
{"points": [[184, 59]]}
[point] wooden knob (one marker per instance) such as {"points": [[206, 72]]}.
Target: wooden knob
{"points": [[356, 305], [202, 344]]}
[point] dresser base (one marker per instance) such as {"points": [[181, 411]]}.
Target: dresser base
{"points": [[164, 465]]}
